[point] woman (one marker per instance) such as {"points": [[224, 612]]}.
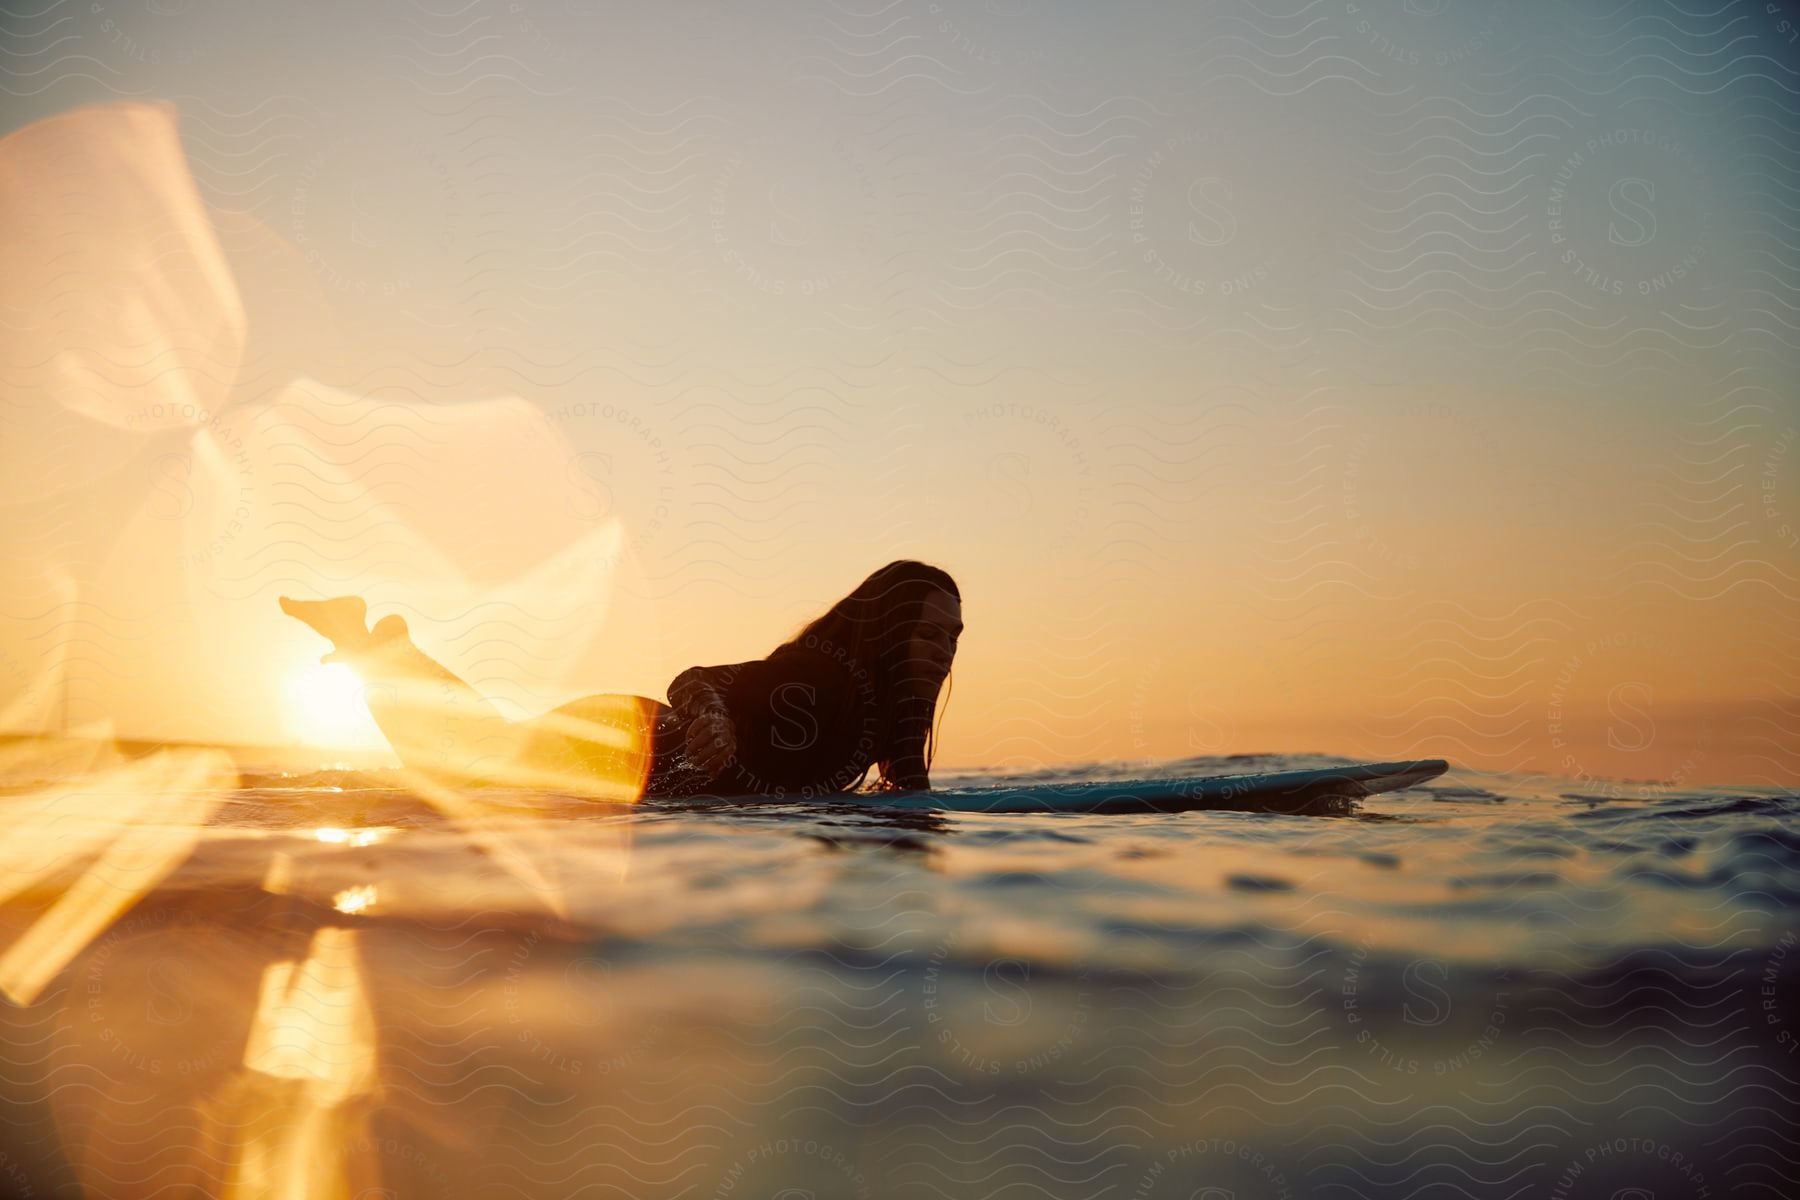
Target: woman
{"points": [[855, 689]]}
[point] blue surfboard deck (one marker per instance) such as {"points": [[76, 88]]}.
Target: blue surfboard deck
{"points": [[1321, 790]]}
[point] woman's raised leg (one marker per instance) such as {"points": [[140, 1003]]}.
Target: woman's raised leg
{"points": [[435, 721], [442, 727]]}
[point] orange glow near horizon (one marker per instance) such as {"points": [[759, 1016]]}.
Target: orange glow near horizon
{"points": [[1168, 558]]}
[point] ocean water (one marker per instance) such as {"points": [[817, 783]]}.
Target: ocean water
{"points": [[1489, 985]]}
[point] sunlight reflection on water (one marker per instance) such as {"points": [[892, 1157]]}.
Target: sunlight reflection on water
{"points": [[315, 986]]}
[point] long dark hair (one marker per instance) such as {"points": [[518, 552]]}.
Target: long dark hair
{"points": [[869, 631]]}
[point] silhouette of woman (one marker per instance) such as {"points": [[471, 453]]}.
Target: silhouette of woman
{"points": [[856, 688]]}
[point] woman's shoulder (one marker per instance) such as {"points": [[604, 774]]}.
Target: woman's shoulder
{"points": [[827, 669], [823, 660]]}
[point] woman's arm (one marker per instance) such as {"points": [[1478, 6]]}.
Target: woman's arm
{"points": [[905, 774], [696, 690], [698, 696]]}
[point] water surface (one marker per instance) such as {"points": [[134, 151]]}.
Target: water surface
{"points": [[1488, 985]]}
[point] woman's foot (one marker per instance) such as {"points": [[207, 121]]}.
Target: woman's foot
{"points": [[342, 620]]}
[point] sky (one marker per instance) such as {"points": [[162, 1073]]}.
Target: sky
{"points": [[1394, 378]]}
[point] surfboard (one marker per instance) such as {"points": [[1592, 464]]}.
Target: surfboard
{"points": [[1277, 791], [1320, 790]]}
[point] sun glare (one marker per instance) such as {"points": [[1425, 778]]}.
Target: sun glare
{"points": [[325, 708]]}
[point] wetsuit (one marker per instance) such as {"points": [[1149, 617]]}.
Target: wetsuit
{"points": [[806, 723]]}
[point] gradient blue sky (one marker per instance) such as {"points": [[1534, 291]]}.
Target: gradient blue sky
{"points": [[1387, 378]]}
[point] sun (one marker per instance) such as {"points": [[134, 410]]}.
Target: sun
{"points": [[325, 708]]}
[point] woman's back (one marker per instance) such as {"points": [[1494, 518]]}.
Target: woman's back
{"points": [[806, 723]]}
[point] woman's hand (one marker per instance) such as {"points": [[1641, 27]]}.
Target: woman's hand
{"points": [[711, 737], [711, 740]]}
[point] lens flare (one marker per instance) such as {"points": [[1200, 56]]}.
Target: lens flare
{"points": [[325, 708]]}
